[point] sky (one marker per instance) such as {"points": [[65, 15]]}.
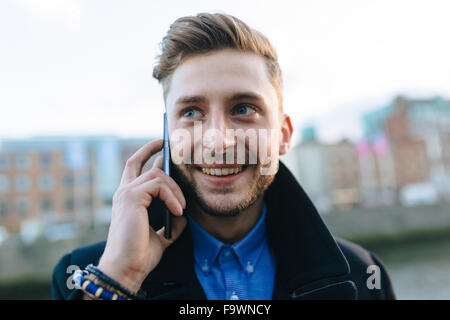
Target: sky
{"points": [[72, 67]]}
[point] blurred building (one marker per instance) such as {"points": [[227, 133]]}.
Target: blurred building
{"points": [[417, 133], [60, 179], [377, 172], [329, 173], [344, 172], [403, 158], [308, 161]]}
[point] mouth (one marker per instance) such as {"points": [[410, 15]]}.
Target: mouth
{"points": [[222, 171], [221, 175]]}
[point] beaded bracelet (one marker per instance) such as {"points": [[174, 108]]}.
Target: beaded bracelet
{"points": [[97, 281], [92, 290], [110, 282]]}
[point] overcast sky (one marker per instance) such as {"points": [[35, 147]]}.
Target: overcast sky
{"points": [[71, 67]]}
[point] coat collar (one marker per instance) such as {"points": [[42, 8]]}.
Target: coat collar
{"points": [[309, 261], [308, 257]]}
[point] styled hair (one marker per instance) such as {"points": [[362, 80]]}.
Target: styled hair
{"points": [[206, 32]]}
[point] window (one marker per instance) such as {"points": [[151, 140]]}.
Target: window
{"points": [[88, 203], [46, 205], [22, 206], [68, 180], [87, 179], [22, 183], [3, 209], [4, 183], [70, 205], [22, 161], [45, 160], [4, 161], [46, 182]]}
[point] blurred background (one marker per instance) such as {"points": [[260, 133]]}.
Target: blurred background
{"points": [[366, 83]]}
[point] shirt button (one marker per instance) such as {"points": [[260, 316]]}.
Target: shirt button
{"points": [[250, 268], [205, 268], [227, 253], [234, 296]]}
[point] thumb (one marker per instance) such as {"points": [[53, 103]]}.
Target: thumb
{"points": [[178, 225]]}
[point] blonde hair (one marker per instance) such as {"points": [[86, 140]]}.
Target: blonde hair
{"points": [[206, 32]]}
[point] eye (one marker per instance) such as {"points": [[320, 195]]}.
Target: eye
{"points": [[191, 113], [243, 110]]}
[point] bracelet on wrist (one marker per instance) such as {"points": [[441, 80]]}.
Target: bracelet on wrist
{"points": [[93, 290], [114, 284], [97, 281]]}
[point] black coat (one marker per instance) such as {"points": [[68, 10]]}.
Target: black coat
{"points": [[310, 262]]}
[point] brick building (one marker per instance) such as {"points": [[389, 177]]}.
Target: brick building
{"points": [[344, 172], [59, 179], [418, 134], [406, 143]]}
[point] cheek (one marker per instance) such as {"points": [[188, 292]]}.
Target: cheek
{"points": [[181, 147], [268, 143]]}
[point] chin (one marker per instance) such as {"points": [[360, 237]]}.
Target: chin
{"points": [[224, 205]]}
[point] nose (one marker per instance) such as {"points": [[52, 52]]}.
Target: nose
{"points": [[215, 135]]}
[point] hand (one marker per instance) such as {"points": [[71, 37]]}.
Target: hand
{"points": [[133, 249]]}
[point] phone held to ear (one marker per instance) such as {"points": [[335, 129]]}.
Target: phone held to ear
{"points": [[166, 168]]}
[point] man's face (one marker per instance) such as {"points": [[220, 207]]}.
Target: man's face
{"points": [[216, 94]]}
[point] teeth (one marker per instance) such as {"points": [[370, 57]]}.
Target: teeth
{"points": [[221, 171]]}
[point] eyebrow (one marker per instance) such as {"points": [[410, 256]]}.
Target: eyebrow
{"points": [[246, 96], [190, 99], [235, 97]]}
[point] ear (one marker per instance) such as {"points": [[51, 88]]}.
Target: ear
{"points": [[286, 134]]}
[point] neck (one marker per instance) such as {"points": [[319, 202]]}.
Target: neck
{"points": [[228, 229]]}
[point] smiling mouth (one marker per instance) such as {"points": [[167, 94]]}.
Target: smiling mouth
{"points": [[222, 172]]}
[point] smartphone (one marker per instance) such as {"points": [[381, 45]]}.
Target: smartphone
{"points": [[166, 168]]}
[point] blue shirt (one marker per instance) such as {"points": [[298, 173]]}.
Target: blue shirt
{"points": [[244, 270]]}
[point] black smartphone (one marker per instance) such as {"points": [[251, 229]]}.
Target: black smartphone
{"points": [[166, 168]]}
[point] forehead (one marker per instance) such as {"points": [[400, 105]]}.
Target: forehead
{"points": [[220, 74]]}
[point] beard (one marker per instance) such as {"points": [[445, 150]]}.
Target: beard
{"points": [[256, 188]]}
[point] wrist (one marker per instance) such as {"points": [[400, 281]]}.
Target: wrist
{"points": [[132, 280], [86, 297]]}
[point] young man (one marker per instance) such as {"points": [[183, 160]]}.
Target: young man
{"points": [[241, 230]]}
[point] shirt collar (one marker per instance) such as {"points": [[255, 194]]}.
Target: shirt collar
{"points": [[248, 249]]}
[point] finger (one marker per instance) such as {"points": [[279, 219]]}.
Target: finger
{"points": [[134, 164], [158, 163], [158, 173], [157, 188], [178, 225]]}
